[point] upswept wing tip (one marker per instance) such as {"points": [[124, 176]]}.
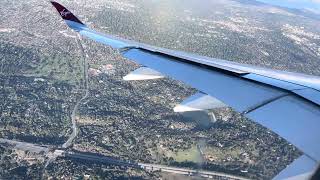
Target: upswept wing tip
{"points": [[66, 14]]}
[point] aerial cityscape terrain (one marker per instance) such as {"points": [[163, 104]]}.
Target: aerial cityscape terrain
{"points": [[66, 112]]}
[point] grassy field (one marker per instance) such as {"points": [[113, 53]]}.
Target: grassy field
{"points": [[192, 155], [60, 68]]}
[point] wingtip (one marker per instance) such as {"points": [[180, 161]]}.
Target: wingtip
{"points": [[65, 13]]}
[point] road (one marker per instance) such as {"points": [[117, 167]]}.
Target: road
{"points": [[151, 167], [34, 148], [25, 146], [110, 160], [189, 172], [100, 158], [74, 133]]}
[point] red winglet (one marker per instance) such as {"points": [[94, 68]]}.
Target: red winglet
{"points": [[65, 13]]}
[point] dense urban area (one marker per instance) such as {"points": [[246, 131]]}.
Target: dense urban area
{"points": [[66, 112]]}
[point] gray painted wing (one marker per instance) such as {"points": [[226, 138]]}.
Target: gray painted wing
{"points": [[287, 103]]}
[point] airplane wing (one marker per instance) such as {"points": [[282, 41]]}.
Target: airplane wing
{"points": [[286, 103]]}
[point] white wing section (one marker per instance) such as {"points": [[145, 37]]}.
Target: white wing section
{"points": [[143, 73], [199, 102], [287, 103]]}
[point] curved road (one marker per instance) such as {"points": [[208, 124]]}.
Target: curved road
{"points": [[74, 133]]}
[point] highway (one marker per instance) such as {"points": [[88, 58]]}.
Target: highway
{"points": [[151, 167], [93, 157], [101, 159], [25, 146], [189, 172]]}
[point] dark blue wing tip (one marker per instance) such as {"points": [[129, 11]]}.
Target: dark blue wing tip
{"points": [[65, 13]]}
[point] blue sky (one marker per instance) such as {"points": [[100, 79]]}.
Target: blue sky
{"points": [[299, 4]]}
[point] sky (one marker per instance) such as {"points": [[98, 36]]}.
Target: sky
{"points": [[298, 4]]}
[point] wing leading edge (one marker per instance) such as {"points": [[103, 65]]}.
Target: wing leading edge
{"points": [[286, 103]]}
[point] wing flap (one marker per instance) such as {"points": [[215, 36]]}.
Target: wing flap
{"points": [[273, 82]]}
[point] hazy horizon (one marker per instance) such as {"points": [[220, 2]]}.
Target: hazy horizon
{"points": [[313, 5]]}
